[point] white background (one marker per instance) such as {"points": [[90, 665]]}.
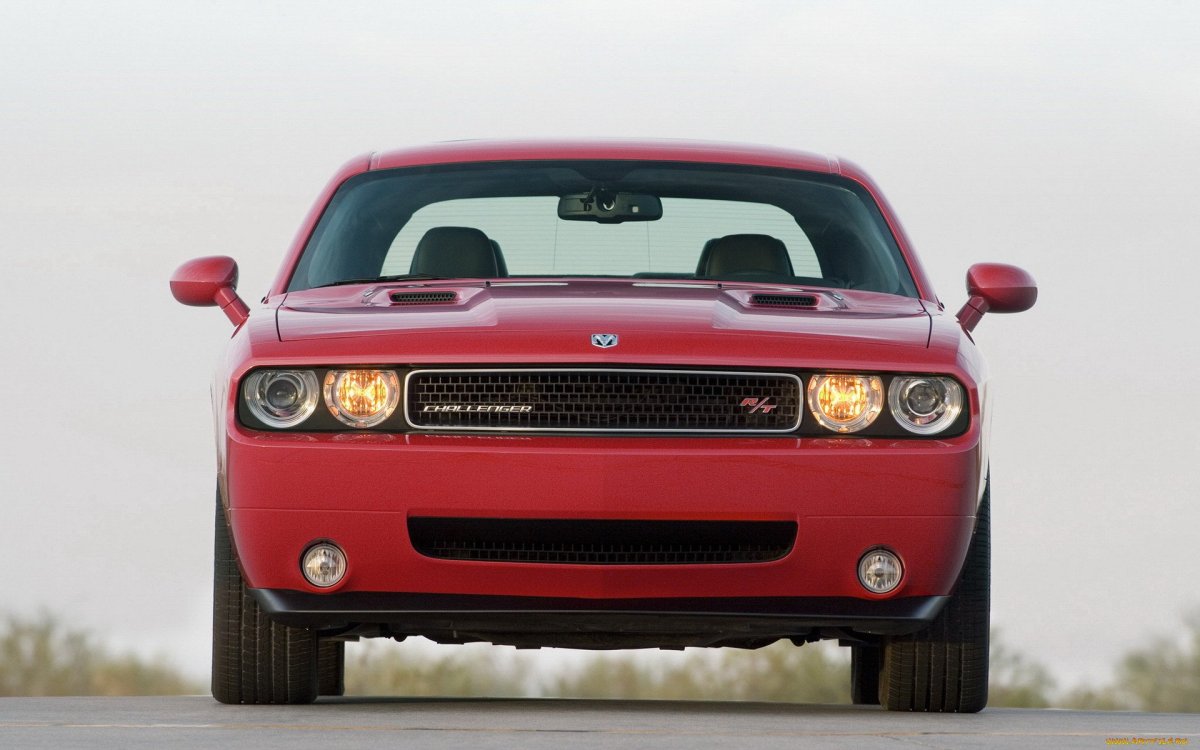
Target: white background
{"points": [[1062, 137]]}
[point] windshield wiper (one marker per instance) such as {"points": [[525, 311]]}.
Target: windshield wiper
{"points": [[376, 279]]}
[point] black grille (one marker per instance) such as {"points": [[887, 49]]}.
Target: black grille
{"points": [[599, 542], [603, 400], [783, 300], [422, 298]]}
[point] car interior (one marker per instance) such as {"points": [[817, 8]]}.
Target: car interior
{"points": [[466, 252]]}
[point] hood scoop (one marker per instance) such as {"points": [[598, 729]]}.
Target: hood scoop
{"points": [[783, 300], [423, 298], [786, 300]]}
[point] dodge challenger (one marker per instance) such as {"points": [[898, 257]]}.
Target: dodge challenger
{"points": [[600, 395]]}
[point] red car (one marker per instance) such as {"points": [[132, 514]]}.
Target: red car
{"points": [[602, 395]]}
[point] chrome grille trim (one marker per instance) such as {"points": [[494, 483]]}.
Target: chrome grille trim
{"points": [[795, 402]]}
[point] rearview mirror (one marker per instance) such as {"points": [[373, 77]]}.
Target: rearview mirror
{"points": [[609, 207]]}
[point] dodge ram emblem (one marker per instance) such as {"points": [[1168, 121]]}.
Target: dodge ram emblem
{"points": [[604, 340]]}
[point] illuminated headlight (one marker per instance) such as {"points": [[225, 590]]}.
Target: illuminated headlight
{"points": [[845, 402], [281, 398], [880, 571], [925, 405], [362, 398], [323, 564]]}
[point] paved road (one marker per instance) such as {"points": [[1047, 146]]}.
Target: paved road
{"points": [[345, 724]]}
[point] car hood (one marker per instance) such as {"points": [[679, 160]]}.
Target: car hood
{"points": [[553, 321]]}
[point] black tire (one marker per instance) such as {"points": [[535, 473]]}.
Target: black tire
{"points": [[864, 675], [331, 668], [944, 667], [254, 660]]}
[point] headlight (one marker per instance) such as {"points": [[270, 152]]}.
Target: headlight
{"points": [[361, 398], [844, 402], [925, 405], [281, 398]]}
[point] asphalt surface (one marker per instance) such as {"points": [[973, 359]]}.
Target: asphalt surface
{"points": [[344, 724]]}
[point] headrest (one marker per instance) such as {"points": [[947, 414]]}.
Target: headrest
{"points": [[455, 252], [501, 266], [744, 253], [844, 256]]}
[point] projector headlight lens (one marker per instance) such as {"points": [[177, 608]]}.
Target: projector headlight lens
{"points": [[281, 398], [925, 405]]}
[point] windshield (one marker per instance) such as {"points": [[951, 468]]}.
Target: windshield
{"points": [[667, 221]]}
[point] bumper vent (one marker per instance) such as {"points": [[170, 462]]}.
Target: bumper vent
{"points": [[601, 542], [590, 400]]}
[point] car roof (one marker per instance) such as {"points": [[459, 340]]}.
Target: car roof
{"points": [[702, 152]]}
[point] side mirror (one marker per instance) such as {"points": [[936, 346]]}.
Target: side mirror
{"points": [[205, 282], [996, 287]]}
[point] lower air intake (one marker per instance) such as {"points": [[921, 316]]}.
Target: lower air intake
{"points": [[601, 542]]}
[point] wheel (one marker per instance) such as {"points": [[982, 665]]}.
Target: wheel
{"points": [[864, 675], [945, 666], [331, 668], [254, 659]]}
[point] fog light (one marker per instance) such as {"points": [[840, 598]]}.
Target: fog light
{"points": [[323, 565], [880, 571]]}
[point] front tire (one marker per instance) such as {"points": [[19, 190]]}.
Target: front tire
{"points": [[254, 660], [944, 667], [331, 668], [864, 675]]}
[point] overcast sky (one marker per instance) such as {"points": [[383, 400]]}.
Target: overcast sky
{"points": [[1062, 137]]}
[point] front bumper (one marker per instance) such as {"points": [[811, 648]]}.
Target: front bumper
{"points": [[610, 623], [285, 491]]}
